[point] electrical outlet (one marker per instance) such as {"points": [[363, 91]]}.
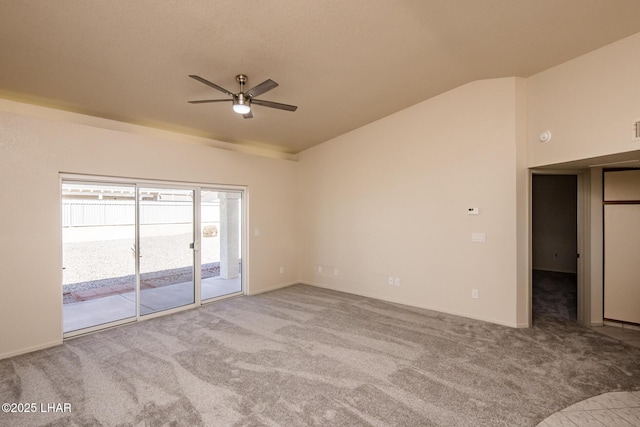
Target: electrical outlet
{"points": [[397, 281], [319, 269], [390, 280], [474, 294], [281, 270], [478, 237], [336, 272]]}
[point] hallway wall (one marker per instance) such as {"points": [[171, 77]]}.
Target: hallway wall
{"points": [[554, 223]]}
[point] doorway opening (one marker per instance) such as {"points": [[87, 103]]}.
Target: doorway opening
{"points": [[140, 249], [554, 247]]}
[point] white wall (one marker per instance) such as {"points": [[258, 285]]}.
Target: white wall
{"points": [[36, 144], [391, 199]]}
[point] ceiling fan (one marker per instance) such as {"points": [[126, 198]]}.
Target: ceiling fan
{"points": [[242, 101]]}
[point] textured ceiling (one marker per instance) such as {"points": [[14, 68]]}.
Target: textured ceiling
{"points": [[343, 63]]}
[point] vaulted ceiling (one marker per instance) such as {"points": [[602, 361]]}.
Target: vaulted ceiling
{"points": [[343, 63]]}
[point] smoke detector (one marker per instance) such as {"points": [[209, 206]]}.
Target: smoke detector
{"points": [[545, 136]]}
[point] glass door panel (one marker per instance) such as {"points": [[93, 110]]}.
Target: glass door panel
{"points": [[166, 248], [98, 240], [220, 243]]}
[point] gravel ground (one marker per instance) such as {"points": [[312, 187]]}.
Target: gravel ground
{"points": [[113, 259], [154, 279], [97, 257]]}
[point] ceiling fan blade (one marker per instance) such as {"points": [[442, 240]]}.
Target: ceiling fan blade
{"points": [[277, 105], [208, 83], [263, 87], [202, 101], [249, 115]]}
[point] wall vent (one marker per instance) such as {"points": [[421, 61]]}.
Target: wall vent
{"points": [[636, 130]]}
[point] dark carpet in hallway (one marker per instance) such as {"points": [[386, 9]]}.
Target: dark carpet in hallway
{"points": [[555, 296]]}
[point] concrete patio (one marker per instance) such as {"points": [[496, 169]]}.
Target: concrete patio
{"points": [[111, 308]]}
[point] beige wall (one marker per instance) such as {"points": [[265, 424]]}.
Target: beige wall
{"points": [[523, 203], [391, 199], [596, 265], [34, 149], [589, 104]]}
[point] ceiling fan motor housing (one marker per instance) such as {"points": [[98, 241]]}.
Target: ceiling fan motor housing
{"points": [[242, 79]]}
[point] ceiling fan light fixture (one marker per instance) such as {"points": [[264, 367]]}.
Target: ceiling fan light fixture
{"points": [[241, 104], [242, 100], [241, 108]]}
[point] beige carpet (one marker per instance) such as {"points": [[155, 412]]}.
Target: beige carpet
{"points": [[308, 356]]}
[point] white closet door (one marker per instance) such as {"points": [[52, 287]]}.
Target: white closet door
{"points": [[622, 262]]}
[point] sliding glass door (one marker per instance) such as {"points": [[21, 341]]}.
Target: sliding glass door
{"points": [[166, 248], [221, 243], [130, 250], [98, 241]]}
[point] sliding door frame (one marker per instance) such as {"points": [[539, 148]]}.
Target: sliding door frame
{"points": [[197, 241]]}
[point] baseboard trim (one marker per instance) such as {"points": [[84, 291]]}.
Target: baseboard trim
{"points": [[273, 288], [621, 324], [412, 304], [30, 349]]}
